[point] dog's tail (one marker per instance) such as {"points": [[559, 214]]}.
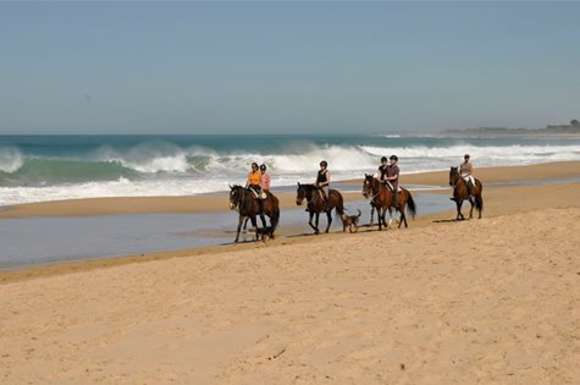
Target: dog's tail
{"points": [[359, 213]]}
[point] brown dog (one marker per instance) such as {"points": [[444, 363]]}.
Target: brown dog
{"points": [[350, 221]]}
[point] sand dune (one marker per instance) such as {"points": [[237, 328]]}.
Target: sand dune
{"points": [[494, 301]]}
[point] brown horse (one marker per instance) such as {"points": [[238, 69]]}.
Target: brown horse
{"points": [[461, 193], [382, 200], [316, 205], [244, 201]]}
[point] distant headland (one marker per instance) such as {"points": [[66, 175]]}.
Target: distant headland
{"points": [[573, 128]]}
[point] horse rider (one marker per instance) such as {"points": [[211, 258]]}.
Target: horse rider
{"points": [[383, 169], [466, 172], [254, 185], [264, 178], [323, 180], [392, 178]]}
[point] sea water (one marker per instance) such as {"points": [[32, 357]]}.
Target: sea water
{"points": [[43, 168]]}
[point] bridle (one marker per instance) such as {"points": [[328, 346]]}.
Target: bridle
{"points": [[240, 193], [370, 186]]}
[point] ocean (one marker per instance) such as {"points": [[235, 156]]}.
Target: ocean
{"points": [[41, 168]]}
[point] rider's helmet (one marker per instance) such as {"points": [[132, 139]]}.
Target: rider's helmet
{"points": [[263, 167], [466, 156], [324, 163], [383, 159], [254, 166], [394, 158]]}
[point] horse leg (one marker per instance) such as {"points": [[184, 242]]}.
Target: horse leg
{"points": [[255, 224], [403, 219], [471, 209], [316, 220], [372, 215], [384, 218], [240, 223], [263, 219], [328, 220], [311, 214], [459, 203], [380, 218]]}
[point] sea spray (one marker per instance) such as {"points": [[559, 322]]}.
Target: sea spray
{"points": [[38, 168]]}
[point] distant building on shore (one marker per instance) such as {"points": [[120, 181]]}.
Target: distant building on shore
{"points": [[572, 128]]}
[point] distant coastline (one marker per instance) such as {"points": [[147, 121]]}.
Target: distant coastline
{"points": [[573, 128]]}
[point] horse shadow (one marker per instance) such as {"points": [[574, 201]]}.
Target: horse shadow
{"points": [[449, 220]]}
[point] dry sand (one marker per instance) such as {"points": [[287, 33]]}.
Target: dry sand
{"points": [[495, 301], [492, 301]]}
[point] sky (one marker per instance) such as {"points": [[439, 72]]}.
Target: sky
{"points": [[280, 68]]}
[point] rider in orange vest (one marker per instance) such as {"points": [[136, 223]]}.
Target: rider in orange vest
{"points": [[254, 185]]}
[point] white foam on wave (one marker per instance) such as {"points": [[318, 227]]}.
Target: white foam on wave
{"points": [[211, 171], [11, 159], [120, 188], [154, 158], [505, 153]]}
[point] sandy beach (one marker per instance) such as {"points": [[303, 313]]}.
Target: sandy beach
{"points": [[127, 257], [491, 301]]}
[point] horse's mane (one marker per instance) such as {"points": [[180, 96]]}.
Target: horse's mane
{"points": [[308, 186]]}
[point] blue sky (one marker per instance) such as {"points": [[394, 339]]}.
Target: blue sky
{"points": [[286, 67]]}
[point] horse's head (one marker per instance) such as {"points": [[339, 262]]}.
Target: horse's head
{"points": [[453, 176], [300, 194], [367, 188], [236, 193]]}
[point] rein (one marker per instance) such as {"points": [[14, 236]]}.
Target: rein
{"points": [[241, 203], [374, 197]]}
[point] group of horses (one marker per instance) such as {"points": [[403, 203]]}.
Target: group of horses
{"points": [[379, 195]]}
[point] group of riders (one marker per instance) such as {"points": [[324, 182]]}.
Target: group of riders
{"points": [[259, 179]]}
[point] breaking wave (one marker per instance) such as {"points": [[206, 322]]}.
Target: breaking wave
{"points": [[170, 169]]}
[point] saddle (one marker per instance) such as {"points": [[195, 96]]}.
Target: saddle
{"points": [[262, 195], [469, 179], [390, 186]]}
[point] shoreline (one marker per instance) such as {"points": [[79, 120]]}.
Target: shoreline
{"points": [[499, 200], [214, 202]]}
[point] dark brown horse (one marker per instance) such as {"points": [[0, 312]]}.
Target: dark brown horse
{"points": [[244, 201], [382, 200], [316, 205], [461, 193]]}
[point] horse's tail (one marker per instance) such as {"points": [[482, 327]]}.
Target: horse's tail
{"points": [[411, 206], [275, 217], [339, 203], [479, 197], [479, 203]]}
